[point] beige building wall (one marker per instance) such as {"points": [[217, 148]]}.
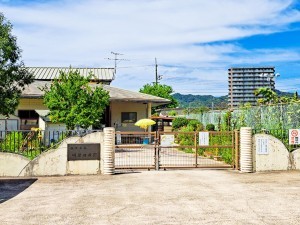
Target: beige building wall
{"points": [[31, 104], [118, 107], [42, 124]]}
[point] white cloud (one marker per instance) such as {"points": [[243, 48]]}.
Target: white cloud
{"points": [[179, 33]]}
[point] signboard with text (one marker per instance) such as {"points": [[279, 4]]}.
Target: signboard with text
{"points": [[294, 136], [167, 140], [204, 138], [262, 146], [119, 138], [83, 151]]}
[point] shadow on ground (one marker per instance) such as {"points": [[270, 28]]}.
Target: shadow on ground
{"points": [[120, 172], [10, 188]]}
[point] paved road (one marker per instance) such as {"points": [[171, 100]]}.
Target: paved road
{"points": [[154, 197]]}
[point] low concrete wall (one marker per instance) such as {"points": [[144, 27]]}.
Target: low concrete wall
{"points": [[12, 164], [296, 159], [275, 156], [52, 162], [87, 167]]}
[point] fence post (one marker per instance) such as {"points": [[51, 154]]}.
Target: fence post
{"points": [[196, 150], [236, 147], [157, 150], [109, 151], [246, 157]]}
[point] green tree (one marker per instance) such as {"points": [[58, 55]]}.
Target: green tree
{"points": [[72, 101], [267, 96], [160, 90], [270, 97], [13, 74]]}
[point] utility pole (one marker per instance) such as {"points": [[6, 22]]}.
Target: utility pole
{"points": [[116, 59], [157, 77]]}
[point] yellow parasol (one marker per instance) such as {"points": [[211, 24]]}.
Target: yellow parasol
{"points": [[144, 123]]}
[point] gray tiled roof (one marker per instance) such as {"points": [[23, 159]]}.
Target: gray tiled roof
{"points": [[116, 94], [50, 73]]}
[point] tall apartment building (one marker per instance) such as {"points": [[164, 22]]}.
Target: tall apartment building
{"points": [[243, 81]]}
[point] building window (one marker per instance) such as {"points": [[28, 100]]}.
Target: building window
{"points": [[128, 117], [28, 119]]}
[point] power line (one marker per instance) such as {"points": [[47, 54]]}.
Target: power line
{"points": [[116, 59]]}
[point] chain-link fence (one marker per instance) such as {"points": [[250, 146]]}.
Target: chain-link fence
{"points": [[283, 116]]}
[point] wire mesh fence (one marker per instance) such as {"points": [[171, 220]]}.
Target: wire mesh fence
{"points": [[270, 117]]}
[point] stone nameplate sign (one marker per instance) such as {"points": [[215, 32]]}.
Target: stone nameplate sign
{"points": [[262, 146], [84, 151]]}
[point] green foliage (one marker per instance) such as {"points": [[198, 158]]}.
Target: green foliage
{"points": [[179, 122], [224, 153], [17, 142], [196, 125], [13, 74], [160, 90], [172, 113], [199, 101], [12, 142], [267, 96], [186, 139], [270, 97], [72, 101], [210, 127], [196, 110]]}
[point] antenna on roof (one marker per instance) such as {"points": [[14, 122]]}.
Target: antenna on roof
{"points": [[116, 59]]}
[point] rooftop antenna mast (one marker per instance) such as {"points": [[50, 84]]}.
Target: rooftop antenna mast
{"points": [[116, 59]]}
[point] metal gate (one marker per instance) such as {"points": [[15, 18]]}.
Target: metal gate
{"points": [[161, 150]]}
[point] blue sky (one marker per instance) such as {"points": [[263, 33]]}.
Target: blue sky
{"points": [[194, 41]]}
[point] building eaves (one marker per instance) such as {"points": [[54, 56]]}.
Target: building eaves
{"points": [[34, 90]]}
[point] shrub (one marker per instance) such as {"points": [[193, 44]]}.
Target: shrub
{"points": [[179, 122], [172, 113], [196, 125], [210, 127], [186, 139], [12, 142]]}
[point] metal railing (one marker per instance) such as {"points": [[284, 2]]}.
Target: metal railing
{"points": [[31, 143], [175, 150], [135, 150]]}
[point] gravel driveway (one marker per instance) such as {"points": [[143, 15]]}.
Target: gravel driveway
{"points": [[154, 197]]}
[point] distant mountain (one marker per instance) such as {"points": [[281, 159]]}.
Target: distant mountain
{"points": [[210, 101], [194, 101], [281, 93]]}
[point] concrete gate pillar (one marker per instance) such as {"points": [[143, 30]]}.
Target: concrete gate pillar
{"points": [[109, 151], [246, 155]]}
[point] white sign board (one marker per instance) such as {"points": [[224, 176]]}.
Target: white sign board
{"points": [[119, 138], [294, 136], [167, 140], [204, 138], [262, 146]]}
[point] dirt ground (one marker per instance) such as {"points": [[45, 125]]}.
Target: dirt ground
{"points": [[154, 197]]}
